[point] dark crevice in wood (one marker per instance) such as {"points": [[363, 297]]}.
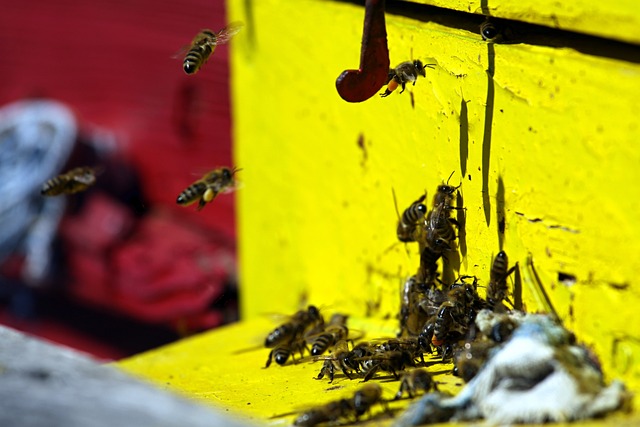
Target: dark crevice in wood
{"points": [[516, 32]]}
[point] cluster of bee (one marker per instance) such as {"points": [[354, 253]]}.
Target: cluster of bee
{"points": [[439, 315], [434, 317], [304, 328]]}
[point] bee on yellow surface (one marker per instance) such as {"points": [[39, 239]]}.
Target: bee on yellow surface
{"points": [[345, 409], [336, 330], [204, 44], [295, 327], [414, 381], [497, 290], [208, 187], [408, 222], [403, 74], [74, 181], [444, 194]]}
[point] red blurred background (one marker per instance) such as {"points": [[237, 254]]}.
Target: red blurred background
{"points": [[139, 270]]}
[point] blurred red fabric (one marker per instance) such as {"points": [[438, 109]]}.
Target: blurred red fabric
{"points": [[111, 63]]}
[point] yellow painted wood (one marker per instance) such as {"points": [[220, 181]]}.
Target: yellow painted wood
{"points": [[617, 19], [316, 214]]}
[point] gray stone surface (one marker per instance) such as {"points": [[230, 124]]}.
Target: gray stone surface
{"points": [[45, 385]]}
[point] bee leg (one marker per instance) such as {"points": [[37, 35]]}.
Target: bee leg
{"points": [[331, 372], [385, 94], [269, 359], [403, 387], [372, 371], [346, 374], [201, 204], [403, 85]]}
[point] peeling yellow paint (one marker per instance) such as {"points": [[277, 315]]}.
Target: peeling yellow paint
{"points": [[550, 142]]}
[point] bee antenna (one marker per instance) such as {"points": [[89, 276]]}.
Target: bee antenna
{"points": [[450, 177], [395, 202]]}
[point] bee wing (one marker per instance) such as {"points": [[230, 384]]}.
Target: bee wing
{"points": [[225, 34], [182, 52], [390, 75]]}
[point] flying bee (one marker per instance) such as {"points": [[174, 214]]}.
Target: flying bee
{"points": [[415, 380], [74, 181], [208, 187], [203, 45], [336, 330], [403, 74], [497, 289], [408, 222]]}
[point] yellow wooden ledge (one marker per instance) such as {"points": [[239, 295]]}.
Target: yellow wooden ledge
{"points": [[216, 369]]}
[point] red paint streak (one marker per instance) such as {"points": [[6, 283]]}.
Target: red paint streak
{"points": [[360, 85]]}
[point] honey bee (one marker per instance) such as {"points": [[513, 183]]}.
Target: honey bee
{"points": [[354, 407], [470, 359], [497, 289], [411, 315], [408, 222], [440, 235], [203, 45], [454, 317], [490, 32], [335, 331], [208, 187], [428, 268], [444, 194], [344, 359], [393, 361], [365, 398], [415, 380], [331, 412], [404, 73], [295, 328], [74, 181], [282, 352]]}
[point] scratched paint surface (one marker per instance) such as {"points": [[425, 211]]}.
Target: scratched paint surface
{"points": [[618, 19], [548, 144]]}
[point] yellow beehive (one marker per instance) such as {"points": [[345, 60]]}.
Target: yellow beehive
{"points": [[546, 140]]}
